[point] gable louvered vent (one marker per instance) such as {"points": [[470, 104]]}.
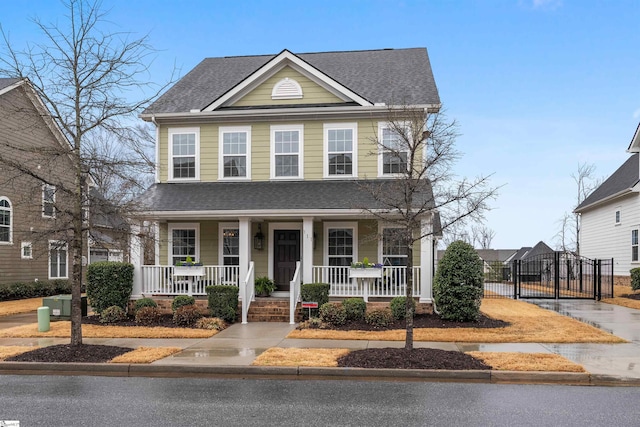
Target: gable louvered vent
{"points": [[286, 89]]}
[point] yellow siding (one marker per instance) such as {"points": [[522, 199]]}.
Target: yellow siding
{"points": [[260, 258], [164, 242], [368, 240], [260, 151], [312, 92]]}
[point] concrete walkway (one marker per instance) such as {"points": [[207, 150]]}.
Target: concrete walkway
{"points": [[239, 344]]}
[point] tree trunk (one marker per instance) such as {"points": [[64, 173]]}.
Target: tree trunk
{"points": [[408, 343], [76, 250]]}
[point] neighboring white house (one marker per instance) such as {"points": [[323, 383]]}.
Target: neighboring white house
{"points": [[610, 217]]}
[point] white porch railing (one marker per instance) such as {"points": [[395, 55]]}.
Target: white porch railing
{"points": [[294, 294], [392, 284], [247, 292], [160, 279]]}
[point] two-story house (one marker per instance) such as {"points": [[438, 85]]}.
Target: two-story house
{"points": [[261, 166], [33, 170]]}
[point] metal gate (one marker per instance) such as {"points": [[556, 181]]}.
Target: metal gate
{"points": [[555, 275]]}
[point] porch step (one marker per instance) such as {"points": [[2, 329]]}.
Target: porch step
{"points": [[270, 310]]}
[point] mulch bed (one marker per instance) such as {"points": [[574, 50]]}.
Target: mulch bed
{"points": [[418, 358], [423, 321], [631, 296], [166, 320], [69, 353]]}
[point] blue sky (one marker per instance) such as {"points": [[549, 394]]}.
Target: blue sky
{"points": [[537, 86]]}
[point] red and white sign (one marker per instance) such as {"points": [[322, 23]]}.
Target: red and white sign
{"points": [[308, 304]]}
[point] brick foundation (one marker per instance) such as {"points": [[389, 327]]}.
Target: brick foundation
{"points": [[622, 281]]}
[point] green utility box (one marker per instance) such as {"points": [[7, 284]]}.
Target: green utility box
{"points": [[60, 306]]}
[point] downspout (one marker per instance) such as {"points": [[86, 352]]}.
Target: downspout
{"points": [[433, 269]]}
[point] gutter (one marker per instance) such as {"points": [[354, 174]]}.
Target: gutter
{"points": [[605, 200]]}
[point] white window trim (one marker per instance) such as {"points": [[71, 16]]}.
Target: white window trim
{"points": [[182, 226], [10, 242], [175, 131], [231, 129], [113, 254], [354, 149], [221, 227], [637, 230], [59, 245], [272, 133], [331, 225], [26, 245], [53, 215], [381, 151], [293, 90], [617, 216]]}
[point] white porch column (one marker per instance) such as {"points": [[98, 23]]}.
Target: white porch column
{"points": [[244, 246], [307, 249], [136, 257], [426, 261]]}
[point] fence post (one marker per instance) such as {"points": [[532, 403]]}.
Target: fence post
{"points": [[516, 276], [580, 273], [556, 274], [599, 294]]}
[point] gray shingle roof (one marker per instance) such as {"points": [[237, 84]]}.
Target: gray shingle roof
{"points": [[622, 179], [6, 82], [268, 195], [392, 76], [540, 249]]}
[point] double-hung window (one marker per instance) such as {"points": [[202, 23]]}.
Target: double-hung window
{"points": [[286, 151], [340, 142], [394, 151], [184, 153], [6, 219], [394, 252], [341, 243], [58, 260], [235, 149], [634, 245], [230, 244], [26, 250], [48, 201], [184, 240]]}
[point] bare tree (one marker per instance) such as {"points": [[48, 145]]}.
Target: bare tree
{"points": [[86, 76], [482, 236], [420, 149]]}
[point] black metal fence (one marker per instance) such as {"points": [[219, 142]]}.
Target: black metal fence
{"points": [[556, 275]]}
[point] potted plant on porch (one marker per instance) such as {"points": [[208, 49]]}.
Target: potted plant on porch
{"points": [[264, 286]]}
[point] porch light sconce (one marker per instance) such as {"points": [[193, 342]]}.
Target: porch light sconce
{"points": [[258, 239]]}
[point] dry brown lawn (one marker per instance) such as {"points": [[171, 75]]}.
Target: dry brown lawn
{"points": [[277, 356], [507, 361], [529, 323], [617, 299], [13, 350], [20, 306], [146, 355], [62, 329]]}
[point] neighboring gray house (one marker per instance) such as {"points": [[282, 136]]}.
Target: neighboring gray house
{"points": [[610, 217]]}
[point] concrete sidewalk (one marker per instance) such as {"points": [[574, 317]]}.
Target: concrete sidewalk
{"points": [[233, 350]]}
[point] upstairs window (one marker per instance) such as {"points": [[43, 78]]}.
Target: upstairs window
{"points": [[286, 146], [235, 149], [6, 219], [394, 151], [634, 245], [618, 217], [184, 151], [48, 201], [340, 150]]}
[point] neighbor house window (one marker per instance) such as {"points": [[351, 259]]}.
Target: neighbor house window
{"points": [[618, 217], [48, 201], [235, 149], [230, 241], [286, 147], [184, 153], [394, 151], [26, 250], [340, 141], [184, 239], [634, 245], [394, 253], [6, 219], [58, 260]]}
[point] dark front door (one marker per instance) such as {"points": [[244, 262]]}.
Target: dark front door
{"points": [[287, 252]]}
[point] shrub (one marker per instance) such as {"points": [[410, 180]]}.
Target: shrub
{"points": [[145, 302], [223, 302], [181, 301], [213, 323], [457, 287], [41, 288], [147, 316], [187, 315], [312, 323], [334, 314], [399, 307], [379, 317], [635, 278], [314, 292], [355, 308], [109, 283], [112, 314], [264, 286]]}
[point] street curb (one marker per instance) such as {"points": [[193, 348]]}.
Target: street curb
{"points": [[315, 373]]}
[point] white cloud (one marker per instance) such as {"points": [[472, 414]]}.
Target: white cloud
{"points": [[636, 114], [546, 4]]}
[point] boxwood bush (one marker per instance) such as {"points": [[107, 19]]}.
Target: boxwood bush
{"points": [[109, 283], [334, 314], [145, 302], [635, 278], [398, 307], [314, 292], [223, 302], [41, 288], [355, 308], [457, 287], [181, 301]]}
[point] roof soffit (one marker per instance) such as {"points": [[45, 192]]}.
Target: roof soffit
{"points": [[284, 59]]}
